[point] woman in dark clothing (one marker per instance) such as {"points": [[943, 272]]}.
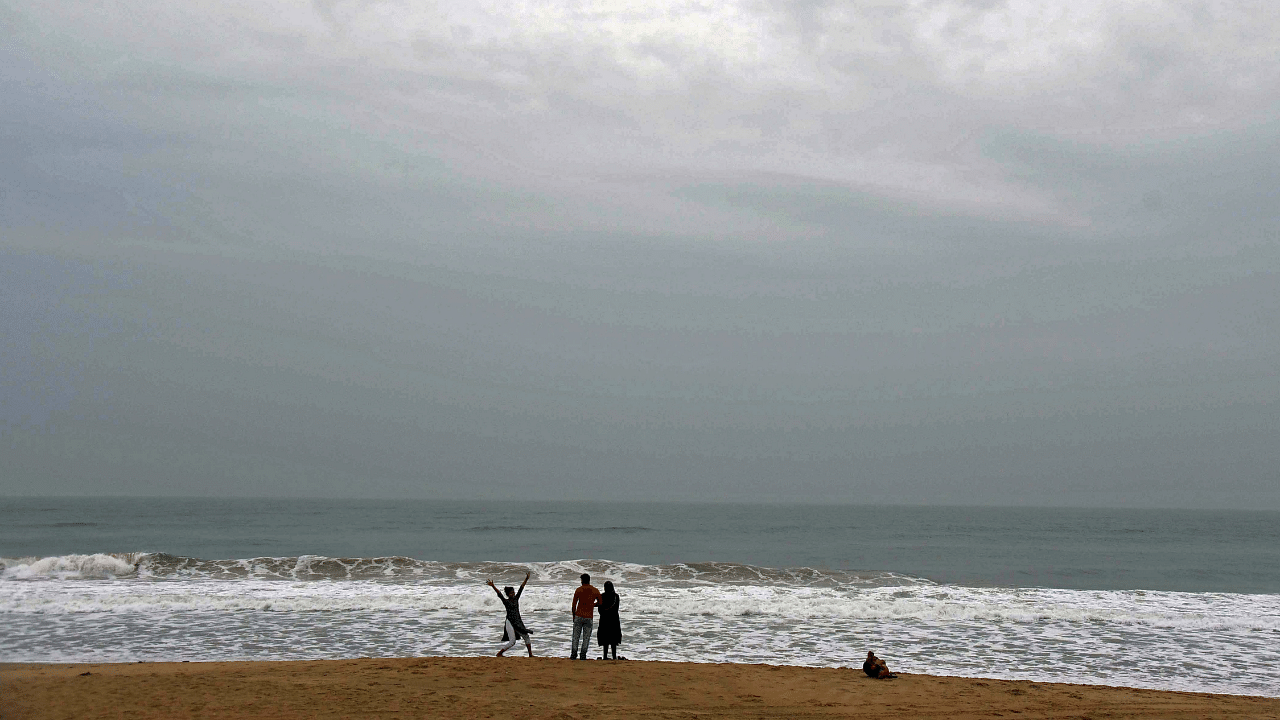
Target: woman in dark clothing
{"points": [[514, 628], [610, 633]]}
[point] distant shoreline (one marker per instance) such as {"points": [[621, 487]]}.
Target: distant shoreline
{"points": [[479, 687]]}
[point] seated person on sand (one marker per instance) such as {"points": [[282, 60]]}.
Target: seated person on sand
{"points": [[876, 668]]}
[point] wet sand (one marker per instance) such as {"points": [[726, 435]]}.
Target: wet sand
{"points": [[519, 687]]}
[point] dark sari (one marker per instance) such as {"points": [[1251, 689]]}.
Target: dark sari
{"points": [[610, 632]]}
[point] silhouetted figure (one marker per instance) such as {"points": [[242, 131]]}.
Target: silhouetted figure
{"points": [[876, 668], [610, 632], [514, 628]]}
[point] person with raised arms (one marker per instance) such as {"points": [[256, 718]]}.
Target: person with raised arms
{"points": [[514, 628]]}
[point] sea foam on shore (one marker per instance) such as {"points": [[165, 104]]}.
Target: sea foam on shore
{"points": [[151, 606]]}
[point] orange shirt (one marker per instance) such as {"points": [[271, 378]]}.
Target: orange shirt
{"points": [[585, 599]]}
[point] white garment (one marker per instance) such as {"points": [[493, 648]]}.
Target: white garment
{"points": [[511, 633]]}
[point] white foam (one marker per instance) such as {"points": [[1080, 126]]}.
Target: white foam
{"points": [[94, 607], [98, 565], [939, 603]]}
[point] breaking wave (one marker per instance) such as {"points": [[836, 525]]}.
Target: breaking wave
{"points": [[318, 567], [159, 582], [97, 565]]}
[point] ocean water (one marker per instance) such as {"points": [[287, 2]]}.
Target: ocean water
{"points": [[1186, 600]]}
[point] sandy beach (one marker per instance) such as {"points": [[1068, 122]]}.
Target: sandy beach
{"points": [[519, 687]]}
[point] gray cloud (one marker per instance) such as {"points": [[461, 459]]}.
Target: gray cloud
{"points": [[947, 251]]}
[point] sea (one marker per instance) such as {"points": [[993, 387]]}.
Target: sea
{"points": [[1164, 599]]}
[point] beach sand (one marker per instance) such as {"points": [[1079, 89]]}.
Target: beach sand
{"points": [[520, 687]]}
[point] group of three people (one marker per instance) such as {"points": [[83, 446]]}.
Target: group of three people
{"points": [[586, 599]]}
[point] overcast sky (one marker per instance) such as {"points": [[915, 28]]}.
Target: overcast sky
{"points": [[906, 251]]}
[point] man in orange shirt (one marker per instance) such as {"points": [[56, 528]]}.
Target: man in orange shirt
{"points": [[585, 600]]}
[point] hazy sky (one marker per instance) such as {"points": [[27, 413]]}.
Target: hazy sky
{"points": [[919, 251]]}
